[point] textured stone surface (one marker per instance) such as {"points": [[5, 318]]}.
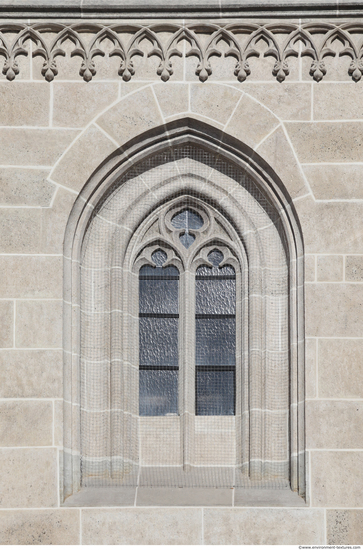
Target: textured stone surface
{"points": [[173, 98], [334, 424], [31, 373], [309, 268], [38, 324], [40, 527], [335, 181], [287, 100], [142, 526], [31, 277], [58, 422], [328, 103], [310, 367], [354, 268], [336, 478], [54, 221], [27, 104], [6, 323], [344, 526], [25, 187], [29, 478], [340, 368], [20, 230], [214, 101], [330, 268], [26, 423], [263, 526]]}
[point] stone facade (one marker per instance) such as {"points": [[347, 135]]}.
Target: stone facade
{"points": [[291, 92]]}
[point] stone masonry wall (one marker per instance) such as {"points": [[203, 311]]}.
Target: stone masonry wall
{"points": [[53, 135]]}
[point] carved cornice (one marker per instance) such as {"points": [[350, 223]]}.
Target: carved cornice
{"points": [[239, 40]]}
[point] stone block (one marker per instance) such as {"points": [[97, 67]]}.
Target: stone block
{"points": [[336, 478], [173, 98], [31, 373], [28, 478], [334, 310], [38, 324], [75, 104], [132, 116], [310, 367], [340, 369], [214, 101], [142, 526], [6, 323], [54, 222], [28, 147], [288, 101], [25, 187], [309, 268], [251, 122], [26, 423], [20, 230], [58, 422], [330, 268], [354, 268], [335, 181], [327, 141], [31, 277], [263, 526], [40, 527], [331, 228], [276, 150], [334, 424], [344, 527], [86, 154], [27, 104], [329, 105]]}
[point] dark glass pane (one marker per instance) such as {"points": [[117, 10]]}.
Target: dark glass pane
{"points": [[215, 257], [158, 296], [187, 240], [159, 258], [187, 219], [215, 341], [158, 341], [215, 393], [158, 392], [215, 296], [160, 272], [205, 271]]}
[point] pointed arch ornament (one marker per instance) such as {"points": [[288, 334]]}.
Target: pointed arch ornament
{"points": [[119, 219]]}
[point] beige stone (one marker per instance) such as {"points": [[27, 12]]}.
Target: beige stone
{"points": [[77, 103], [25, 187], [327, 141], [335, 181], [310, 367], [330, 268], [33, 147], [38, 324], [344, 526], [27, 104], [276, 150], [20, 230], [309, 268], [54, 222], [340, 369], [30, 373], [132, 116], [26, 423], [331, 228], [354, 268], [86, 154], [336, 478], [40, 527], [6, 323], [173, 98], [142, 526], [251, 122], [58, 422], [31, 277], [329, 105], [334, 310], [288, 101], [263, 526], [214, 101], [334, 424], [28, 478]]}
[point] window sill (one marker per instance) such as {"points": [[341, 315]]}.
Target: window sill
{"points": [[129, 496]]}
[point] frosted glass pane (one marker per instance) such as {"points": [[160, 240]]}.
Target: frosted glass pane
{"points": [[161, 272], [187, 219], [158, 341], [215, 393], [205, 271], [215, 341], [215, 297], [158, 296], [158, 392]]}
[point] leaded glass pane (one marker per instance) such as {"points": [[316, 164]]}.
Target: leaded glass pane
{"points": [[215, 392], [158, 392]]}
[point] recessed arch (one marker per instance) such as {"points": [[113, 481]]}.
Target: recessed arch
{"points": [[219, 190]]}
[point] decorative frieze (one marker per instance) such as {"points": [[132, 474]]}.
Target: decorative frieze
{"points": [[239, 40]]}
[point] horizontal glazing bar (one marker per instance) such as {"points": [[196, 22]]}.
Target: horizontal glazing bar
{"points": [[215, 277], [160, 315], [215, 368], [215, 316], [158, 367], [158, 278]]}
